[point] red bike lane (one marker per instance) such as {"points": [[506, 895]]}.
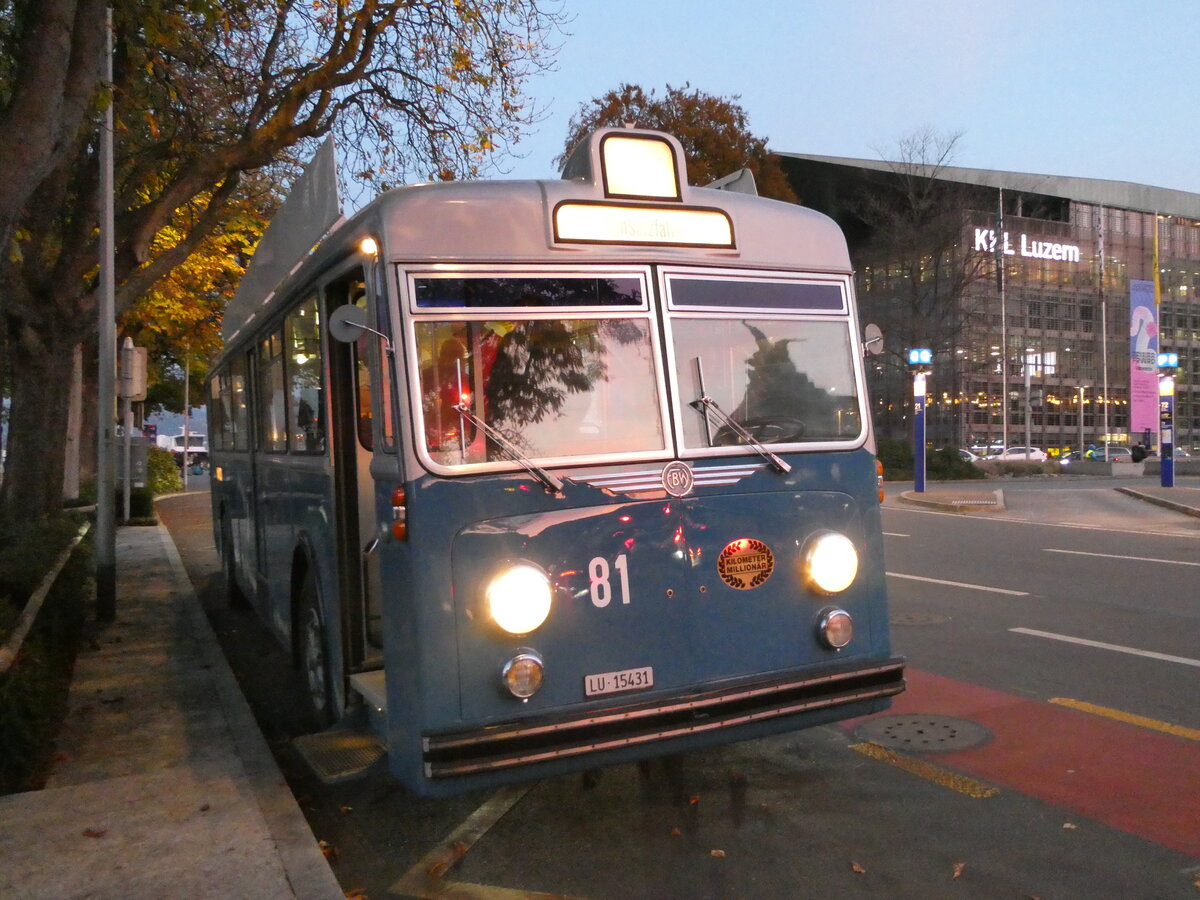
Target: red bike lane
{"points": [[1139, 781]]}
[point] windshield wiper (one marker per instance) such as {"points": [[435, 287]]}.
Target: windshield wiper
{"points": [[706, 404], [549, 482]]}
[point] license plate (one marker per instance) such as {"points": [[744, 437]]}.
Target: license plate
{"points": [[615, 682]]}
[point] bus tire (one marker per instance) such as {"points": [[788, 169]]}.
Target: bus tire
{"points": [[313, 658], [233, 593]]}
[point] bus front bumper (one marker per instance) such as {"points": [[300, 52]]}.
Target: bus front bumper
{"points": [[554, 737]]}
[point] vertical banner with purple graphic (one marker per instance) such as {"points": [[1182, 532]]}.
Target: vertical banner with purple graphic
{"points": [[1143, 358]]}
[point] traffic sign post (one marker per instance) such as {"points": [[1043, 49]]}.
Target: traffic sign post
{"points": [[919, 357]]}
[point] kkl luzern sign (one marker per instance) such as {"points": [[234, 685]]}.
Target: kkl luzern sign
{"points": [[985, 242]]}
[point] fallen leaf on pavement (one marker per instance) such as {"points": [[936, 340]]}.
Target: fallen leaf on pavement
{"points": [[717, 854], [1070, 826], [857, 868], [958, 869], [329, 850], [95, 832]]}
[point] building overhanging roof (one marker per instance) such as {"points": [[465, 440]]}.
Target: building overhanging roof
{"points": [[1118, 194]]}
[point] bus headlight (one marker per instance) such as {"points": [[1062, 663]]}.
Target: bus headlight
{"points": [[835, 627], [522, 674], [518, 599], [830, 562]]}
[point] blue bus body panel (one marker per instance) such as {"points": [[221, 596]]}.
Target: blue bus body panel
{"points": [[682, 619]]}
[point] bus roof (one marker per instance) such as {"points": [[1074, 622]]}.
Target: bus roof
{"points": [[509, 222]]}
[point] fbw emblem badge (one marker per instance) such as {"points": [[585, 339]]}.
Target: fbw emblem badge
{"points": [[677, 478]]}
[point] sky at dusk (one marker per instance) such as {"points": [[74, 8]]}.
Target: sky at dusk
{"points": [[1097, 89]]}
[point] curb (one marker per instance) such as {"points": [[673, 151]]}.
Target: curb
{"points": [[956, 502], [1160, 501], [308, 872]]}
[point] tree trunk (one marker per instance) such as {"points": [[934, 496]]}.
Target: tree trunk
{"points": [[33, 472], [87, 427]]}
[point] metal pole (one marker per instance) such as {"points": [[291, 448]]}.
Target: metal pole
{"points": [[1001, 240], [1082, 390], [127, 440], [187, 409], [919, 431], [106, 533], [1028, 406], [1104, 335]]}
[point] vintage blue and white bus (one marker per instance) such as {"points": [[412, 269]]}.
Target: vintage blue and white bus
{"points": [[542, 476]]}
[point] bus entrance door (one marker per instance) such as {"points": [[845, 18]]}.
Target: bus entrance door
{"points": [[356, 517]]}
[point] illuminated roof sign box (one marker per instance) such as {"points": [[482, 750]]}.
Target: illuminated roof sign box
{"points": [[620, 224], [636, 166], [639, 166]]}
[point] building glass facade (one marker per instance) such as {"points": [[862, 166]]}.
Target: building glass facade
{"points": [[1047, 345]]}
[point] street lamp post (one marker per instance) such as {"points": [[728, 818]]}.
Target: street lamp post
{"points": [[1082, 393], [919, 358]]}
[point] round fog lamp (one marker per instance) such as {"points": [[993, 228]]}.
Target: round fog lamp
{"points": [[518, 599], [831, 562], [522, 675], [836, 628]]}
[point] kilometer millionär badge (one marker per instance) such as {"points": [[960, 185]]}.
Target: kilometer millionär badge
{"points": [[745, 563]]}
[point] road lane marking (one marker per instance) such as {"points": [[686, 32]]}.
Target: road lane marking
{"points": [[961, 584], [936, 774], [1149, 559], [1022, 520], [1133, 651], [1191, 734], [426, 880]]}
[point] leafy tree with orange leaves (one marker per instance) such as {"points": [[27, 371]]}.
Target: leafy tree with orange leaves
{"points": [[714, 131], [205, 94]]}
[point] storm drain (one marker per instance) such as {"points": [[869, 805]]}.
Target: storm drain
{"points": [[923, 733]]}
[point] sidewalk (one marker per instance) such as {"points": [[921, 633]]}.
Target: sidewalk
{"points": [[164, 786], [955, 498]]}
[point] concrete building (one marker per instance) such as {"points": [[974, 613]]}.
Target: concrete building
{"points": [[1065, 344]]}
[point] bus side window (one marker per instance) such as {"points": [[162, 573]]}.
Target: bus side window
{"points": [[240, 420], [305, 374], [271, 395]]}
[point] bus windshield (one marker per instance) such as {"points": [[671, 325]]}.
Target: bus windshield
{"points": [[552, 387], [783, 381]]}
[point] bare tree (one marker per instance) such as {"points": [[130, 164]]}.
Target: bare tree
{"points": [[916, 268]]}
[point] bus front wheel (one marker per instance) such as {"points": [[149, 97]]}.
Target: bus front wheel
{"points": [[233, 592], [314, 665]]}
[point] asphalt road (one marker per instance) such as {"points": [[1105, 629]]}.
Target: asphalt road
{"points": [[1048, 745]]}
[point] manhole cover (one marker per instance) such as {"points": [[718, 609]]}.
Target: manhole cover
{"points": [[923, 734], [916, 618]]}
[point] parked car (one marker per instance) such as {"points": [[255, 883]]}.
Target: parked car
{"points": [[983, 451], [1116, 454], [1033, 454], [968, 455]]}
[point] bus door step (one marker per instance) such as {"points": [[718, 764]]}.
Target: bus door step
{"points": [[342, 754], [372, 687]]}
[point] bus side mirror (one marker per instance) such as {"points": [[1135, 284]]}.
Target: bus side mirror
{"points": [[872, 340], [349, 322]]}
